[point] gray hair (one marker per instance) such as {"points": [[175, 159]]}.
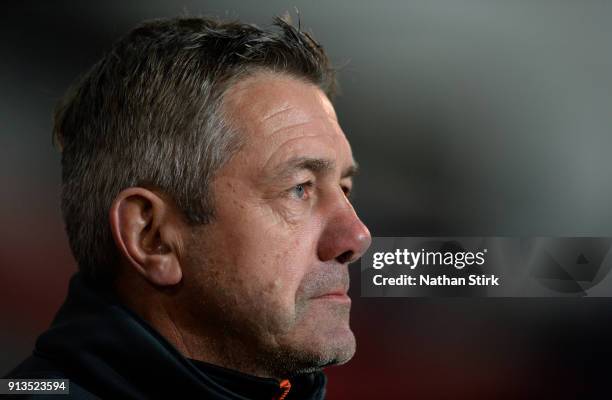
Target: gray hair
{"points": [[149, 114]]}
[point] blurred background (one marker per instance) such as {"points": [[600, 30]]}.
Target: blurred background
{"points": [[467, 118]]}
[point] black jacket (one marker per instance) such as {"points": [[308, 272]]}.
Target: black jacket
{"points": [[108, 352]]}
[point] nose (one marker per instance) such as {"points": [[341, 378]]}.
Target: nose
{"points": [[345, 238]]}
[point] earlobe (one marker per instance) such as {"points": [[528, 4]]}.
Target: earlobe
{"points": [[145, 229], [165, 273]]}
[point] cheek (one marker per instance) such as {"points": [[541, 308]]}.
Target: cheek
{"points": [[264, 256], [275, 261]]}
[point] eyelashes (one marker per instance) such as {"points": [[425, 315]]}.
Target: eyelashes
{"points": [[348, 192], [302, 191]]}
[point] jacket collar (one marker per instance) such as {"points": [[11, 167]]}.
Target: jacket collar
{"points": [[107, 348]]}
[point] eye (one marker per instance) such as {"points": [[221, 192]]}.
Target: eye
{"points": [[301, 191], [346, 190]]}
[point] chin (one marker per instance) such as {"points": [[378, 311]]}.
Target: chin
{"points": [[331, 337], [320, 337], [341, 350], [315, 349]]}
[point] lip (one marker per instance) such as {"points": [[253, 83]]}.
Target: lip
{"points": [[334, 296]]}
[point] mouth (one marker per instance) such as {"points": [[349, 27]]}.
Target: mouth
{"points": [[339, 296]]}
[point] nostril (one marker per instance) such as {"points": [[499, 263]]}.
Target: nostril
{"points": [[345, 257]]}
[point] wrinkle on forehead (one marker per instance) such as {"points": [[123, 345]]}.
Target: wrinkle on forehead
{"points": [[276, 101], [277, 112], [334, 149], [282, 117]]}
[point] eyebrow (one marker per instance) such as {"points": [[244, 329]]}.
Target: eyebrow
{"points": [[315, 165]]}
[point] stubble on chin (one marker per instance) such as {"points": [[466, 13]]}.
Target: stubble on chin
{"points": [[320, 335]]}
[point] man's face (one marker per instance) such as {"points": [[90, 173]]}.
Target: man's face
{"points": [[271, 270]]}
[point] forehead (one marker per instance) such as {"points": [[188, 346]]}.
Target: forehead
{"points": [[283, 117]]}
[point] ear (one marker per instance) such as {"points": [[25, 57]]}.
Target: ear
{"points": [[147, 231]]}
